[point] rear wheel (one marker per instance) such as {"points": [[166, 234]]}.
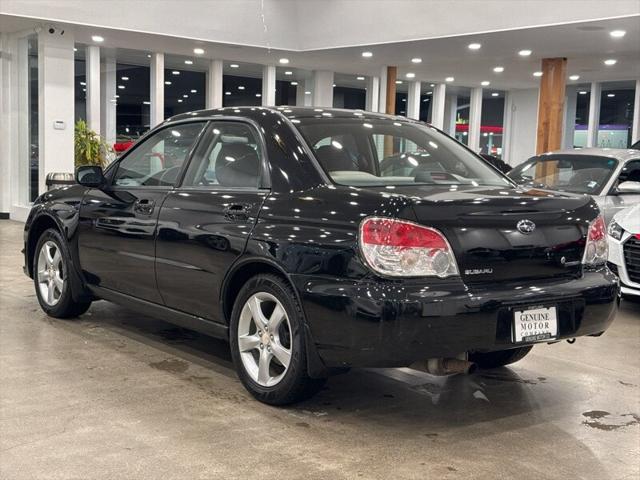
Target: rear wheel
{"points": [[51, 266], [267, 342], [499, 358]]}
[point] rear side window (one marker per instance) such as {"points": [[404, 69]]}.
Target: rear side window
{"points": [[231, 156], [159, 159]]}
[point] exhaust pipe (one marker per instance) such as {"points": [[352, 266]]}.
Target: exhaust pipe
{"points": [[445, 366]]}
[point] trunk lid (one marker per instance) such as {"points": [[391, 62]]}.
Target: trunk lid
{"points": [[481, 224]]}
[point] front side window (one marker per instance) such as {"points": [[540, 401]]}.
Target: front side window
{"points": [[567, 173], [230, 157], [159, 159], [371, 152], [630, 172]]}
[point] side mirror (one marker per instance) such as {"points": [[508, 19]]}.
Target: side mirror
{"points": [[90, 176], [629, 187]]}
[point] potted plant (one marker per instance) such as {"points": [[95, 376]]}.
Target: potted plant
{"points": [[90, 148]]}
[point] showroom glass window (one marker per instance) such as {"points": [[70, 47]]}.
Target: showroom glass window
{"points": [[184, 91], [80, 83], [426, 102], [132, 101], [492, 123], [583, 97], [32, 122], [349, 97], [241, 91], [462, 117], [616, 114], [159, 159], [401, 103]]}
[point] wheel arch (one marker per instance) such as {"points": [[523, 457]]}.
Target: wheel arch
{"points": [[38, 226]]}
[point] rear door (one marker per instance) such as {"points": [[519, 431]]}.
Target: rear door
{"points": [[204, 224], [118, 223]]}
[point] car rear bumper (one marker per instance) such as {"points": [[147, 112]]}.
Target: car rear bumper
{"points": [[394, 323]]}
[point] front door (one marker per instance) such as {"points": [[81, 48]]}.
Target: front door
{"points": [[204, 223], [118, 223], [621, 200]]}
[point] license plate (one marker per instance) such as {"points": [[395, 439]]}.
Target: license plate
{"points": [[535, 324]]}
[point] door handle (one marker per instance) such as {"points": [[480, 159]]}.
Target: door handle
{"points": [[144, 206], [237, 211]]}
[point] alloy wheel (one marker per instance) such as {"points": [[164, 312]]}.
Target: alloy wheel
{"points": [[264, 339], [50, 273]]}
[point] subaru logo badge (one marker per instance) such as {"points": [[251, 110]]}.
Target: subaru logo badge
{"points": [[526, 226]]}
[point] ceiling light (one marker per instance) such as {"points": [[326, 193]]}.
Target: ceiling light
{"points": [[84, 89], [179, 100], [429, 92], [97, 38], [610, 61], [432, 85], [258, 94], [167, 82], [193, 90], [227, 93], [307, 93], [84, 84], [240, 87], [185, 96], [284, 61], [398, 82], [148, 55], [498, 69], [198, 51], [359, 78], [411, 75], [121, 87], [495, 94], [75, 49], [486, 83], [582, 92], [474, 46], [367, 54], [449, 79], [524, 53], [617, 33], [416, 60], [288, 72], [175, 72], [188, 62], [116, 96], [234, 65], [611, 95], [537, 74], [146, 102], [124, 78], [294, 83], [574, 77], [334, 86]]}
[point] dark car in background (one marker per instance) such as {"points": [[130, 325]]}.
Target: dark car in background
{"points": [[316, 240]]}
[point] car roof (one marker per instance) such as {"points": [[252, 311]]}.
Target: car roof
{"points": [[622, 154], [287, 111]]}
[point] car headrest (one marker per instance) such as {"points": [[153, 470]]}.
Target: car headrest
{"points": [[237, 165], [333, 159]]}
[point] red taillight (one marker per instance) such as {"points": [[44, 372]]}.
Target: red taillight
{"points": [[405, 249], [596, 249]]}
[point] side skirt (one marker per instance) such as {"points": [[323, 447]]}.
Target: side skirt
{"points": [[167, 314]]}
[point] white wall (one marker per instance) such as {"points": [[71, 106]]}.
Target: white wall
{"points": [[315, 24], [520, 125]]}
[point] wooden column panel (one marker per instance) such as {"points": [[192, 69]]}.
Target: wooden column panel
{"points": [[392, 75], [551, 104]]}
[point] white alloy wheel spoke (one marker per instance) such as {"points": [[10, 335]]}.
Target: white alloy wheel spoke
{"points": [[263, 366], [256, 312], [276, 318], [246, 343], [57, 281], [282, 354]]}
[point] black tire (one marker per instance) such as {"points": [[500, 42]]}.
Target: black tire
{"points": [[500, 358], [295, 385], [66, 306]]}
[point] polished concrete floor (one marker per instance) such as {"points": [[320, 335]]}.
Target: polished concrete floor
{"points": [[114, 395]]}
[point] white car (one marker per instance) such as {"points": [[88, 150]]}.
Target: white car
{"points": [[624, 249]]}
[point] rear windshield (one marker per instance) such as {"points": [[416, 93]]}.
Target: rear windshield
{"points": [[567, 173], [373, 152]]}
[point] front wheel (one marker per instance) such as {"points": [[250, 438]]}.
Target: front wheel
{"points": [[268, 344], [51, 266], [500, 358]]}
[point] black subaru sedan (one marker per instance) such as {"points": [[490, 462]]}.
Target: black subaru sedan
{"points": [[316, 240]]}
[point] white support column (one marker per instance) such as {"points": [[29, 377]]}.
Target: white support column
{"points": [[450, 114], [55, 104], [322, 88], [570, 102], [157, 89], [635, 129], [437, 109], [7, 139], [108, 103], [92, 72], [594, 115], [268, 86], [475, 117], [413, 101], [382, 91], [214, 84], [373, 92]]}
